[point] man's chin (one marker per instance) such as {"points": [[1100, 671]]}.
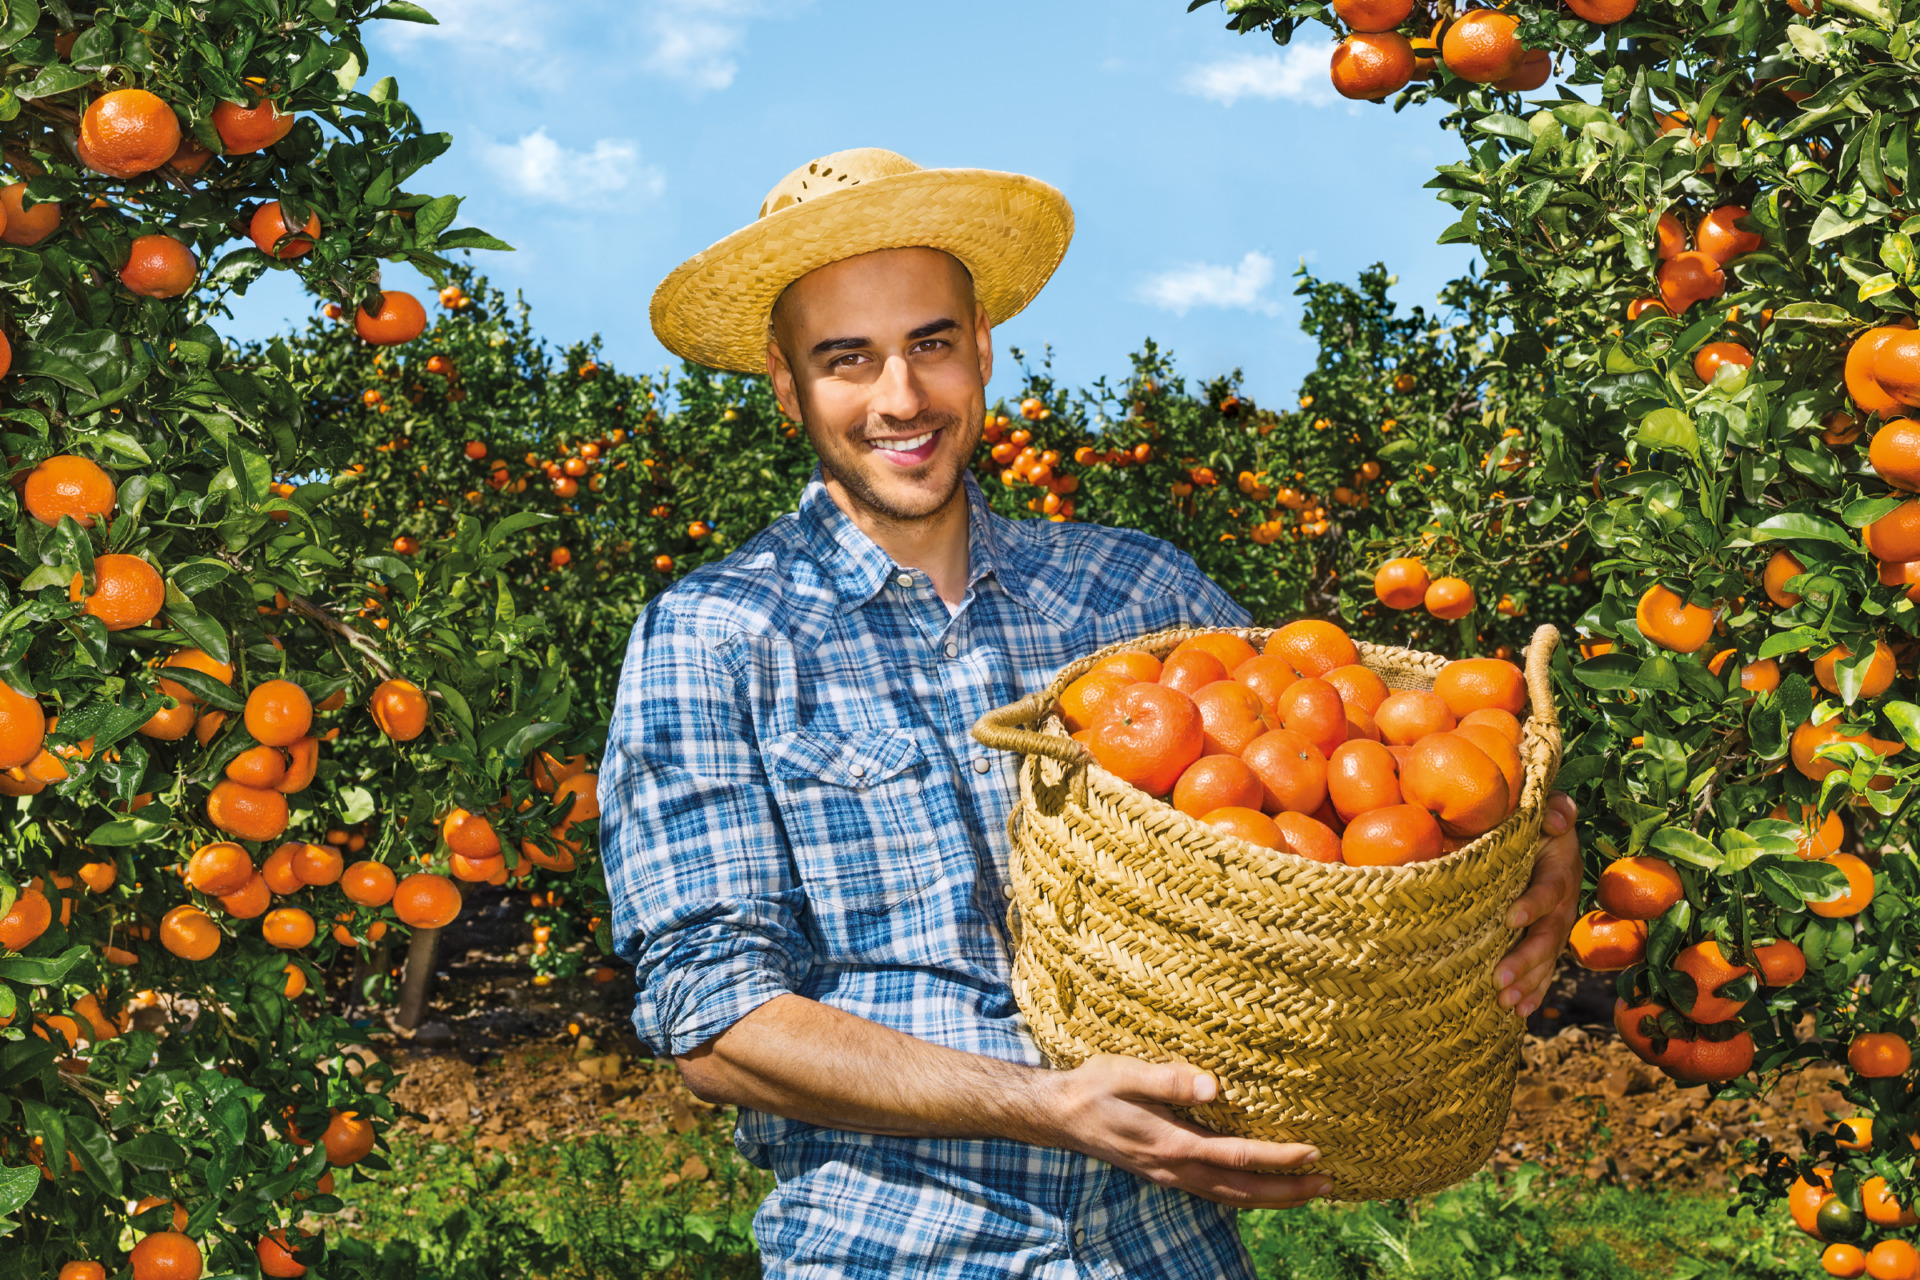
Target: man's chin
{"points": [[905, 494]]}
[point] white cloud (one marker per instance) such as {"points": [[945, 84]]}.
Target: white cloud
{"points": [[694, 40], [1298, 72], [500, 24], [1241, 287], [539, 168]]}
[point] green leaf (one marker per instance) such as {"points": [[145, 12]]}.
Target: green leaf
{"points": [[1669, 429], [1798, 640], [205, 631], [22, 16], [1609, 671], [1816, 313], [17, 1187], [403, 11], [1790, 525], [470, 238], [514, 523], [434, 217], [126, 831], [1686, 846], [153, 1151], [37, 971], [1905, 718], [356, 804], [1501, 125], [54, 80], [206, 688], [458, 703], [1896, 254]]}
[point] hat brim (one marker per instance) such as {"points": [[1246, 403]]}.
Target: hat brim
{"points": [[1010, 230]]}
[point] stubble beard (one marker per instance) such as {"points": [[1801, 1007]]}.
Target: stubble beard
{"points": [[857, 486]]}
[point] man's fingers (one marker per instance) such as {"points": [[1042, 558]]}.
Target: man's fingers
{"points": [[1247, 1154], [1253, 1191], [1556, 879]]}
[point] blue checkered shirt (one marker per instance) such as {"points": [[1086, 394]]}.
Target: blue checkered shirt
{"points": [[792, 803]]}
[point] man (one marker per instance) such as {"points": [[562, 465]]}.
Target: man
{"points": [[807, 851]]}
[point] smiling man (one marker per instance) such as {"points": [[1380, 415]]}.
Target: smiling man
{"points": [[807, 851]]}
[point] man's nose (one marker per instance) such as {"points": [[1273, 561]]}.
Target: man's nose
{"points": [[896, 392]]}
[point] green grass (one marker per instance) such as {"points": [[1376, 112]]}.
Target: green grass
{"points": [[593, 1208]]}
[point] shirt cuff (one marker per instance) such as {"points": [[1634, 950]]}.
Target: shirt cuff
{"points": [[682, 1008]]}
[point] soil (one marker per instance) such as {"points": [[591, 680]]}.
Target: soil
{"points": [[519, 1063]]}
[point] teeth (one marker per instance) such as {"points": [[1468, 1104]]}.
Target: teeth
{"points": [[903, 446]]}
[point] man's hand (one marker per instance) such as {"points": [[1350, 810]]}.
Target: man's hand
{"points": [[1120, 1110], [1546, 910]]}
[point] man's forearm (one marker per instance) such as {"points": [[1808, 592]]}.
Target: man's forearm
{"points": [[807, 1061]]}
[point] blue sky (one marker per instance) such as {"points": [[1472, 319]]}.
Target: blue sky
{"points": [[610, 139]]}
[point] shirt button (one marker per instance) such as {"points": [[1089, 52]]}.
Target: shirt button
{"points": [[982, 765], [1079, 1236], [858, 771], [953, 649], [905, 579]]}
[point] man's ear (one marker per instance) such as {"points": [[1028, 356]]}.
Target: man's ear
{"points": [[780, 373], [983, 339]]}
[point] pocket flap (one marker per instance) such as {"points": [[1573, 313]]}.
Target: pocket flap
{"points": [[856, 760]]}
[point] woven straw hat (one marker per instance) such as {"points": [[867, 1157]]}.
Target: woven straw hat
{"points": [[1009, 230]]}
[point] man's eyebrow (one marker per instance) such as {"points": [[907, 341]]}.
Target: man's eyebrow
{"points": [[853, 344]]}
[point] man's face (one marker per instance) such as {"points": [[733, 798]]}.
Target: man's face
{"points": [[885, 358]]}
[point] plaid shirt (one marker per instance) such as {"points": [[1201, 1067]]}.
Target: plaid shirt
{"points": [[792, 803]]}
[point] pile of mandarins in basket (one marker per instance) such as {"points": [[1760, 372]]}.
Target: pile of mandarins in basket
{"points": [[1301, 749]]}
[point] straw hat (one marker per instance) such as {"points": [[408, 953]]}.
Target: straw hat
{"points": [[1011, 232]]}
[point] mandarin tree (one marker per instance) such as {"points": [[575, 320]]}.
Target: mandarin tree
{"points": [[209, 811], [1698, 239]]}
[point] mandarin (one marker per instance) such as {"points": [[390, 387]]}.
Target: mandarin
{"points": [[1269, 677], [1865, 390], [1312, 647], [278, 713], [66, 485], [1082, 701], [1408, 715], [1152, 734], [1401, 583], [1481, 46], [1391, 836], [1878, 1054], [288, 928], [400, 319], [426, 901], [1231, 649], [1606, 943], [249, 813], [1857, 895], [1666, 619], [1781, 963], [1246, 824], [1782, 567], [219, 868], [1641, 887], [1710, 970], [1874, 681], [1450, 599], [1358, 686], [189, 932], [166, 1255], [1312, 708], [1453, 778], [1308, 837], [1894, 454], [1292, 771], [1370, 65], [1190, 671], [1362, 776], [399, 709], [127, 592]]}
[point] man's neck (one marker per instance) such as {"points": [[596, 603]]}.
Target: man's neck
{"points": [[937, 545]]}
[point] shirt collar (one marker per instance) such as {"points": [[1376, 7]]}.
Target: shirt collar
{"points": [[858, 567]]}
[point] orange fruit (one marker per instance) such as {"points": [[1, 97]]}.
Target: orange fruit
{"points": [[1805, 1198], [98, 876], [1863, 387], [82, 1270], [1782, 567], [1269, 677], [317, 864], [1082, 701], [1760, 677], [1151, 735], [258, 767], [1879, 1054], [278, 713], [247, 813], [426, 901], [1840, 429], [303, 761], [1472, 684], [1313, 709], [400, 319], [250, 128], [1854, 1134], [127, 592], [28, 918], [1894, 453], [1638, 888], [1292, 771], [1670, 239], [1450, 599], [296, 981], [1712, 1061], [1879, 674], [1892, 1259], [276, 1255], [1392, 836], [1881, 1208], [1451, 777], [475, 870], [23, 727], [1371, 65], [348, 1139], [1719, 238], [549, 773], [1607, 944], [1141, 666], [1710, 970], [170, 724], [189, 932], [1362, 776], [469, 835], [1231, 716], [269, 228], [1217, 782], [399, 709], [1358, 686], [1781, 963], [1312, 647], [1604, 12], [578, 800], [126, 133], [1401, 583], [1502, 722], [1224, 645], [1708, 359], [1307, 837], [190, 158], [1409, 715], [1189, 671], [193, 660], [1666, 619], [24, 224], [250, 901], [1896, 366], [278, 871], [165, 1255], [1896, 535], [1535, 67], [1373, 15], [1857, 895], [1810, 737], [371, 884], [1481, 46], [159, 266], [1687, 278], [219, 868], [65, 485], [288, 928], [1246, 824], [1499, 749]]}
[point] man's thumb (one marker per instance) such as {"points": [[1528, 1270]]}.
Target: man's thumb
{"points": [[1179, 1084]]}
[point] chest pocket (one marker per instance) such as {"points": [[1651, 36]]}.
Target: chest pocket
{"points": [[852, 806]]}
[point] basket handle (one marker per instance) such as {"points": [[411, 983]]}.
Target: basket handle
{"points": [[1005, 729], [1539, 677]]}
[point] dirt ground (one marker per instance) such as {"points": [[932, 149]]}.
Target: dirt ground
{"points": [[522, 1063]]}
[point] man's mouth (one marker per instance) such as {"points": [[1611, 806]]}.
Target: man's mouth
{"points": [[908, 452]]}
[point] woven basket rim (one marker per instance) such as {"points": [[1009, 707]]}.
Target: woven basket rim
{"points": [[1540, 743]]}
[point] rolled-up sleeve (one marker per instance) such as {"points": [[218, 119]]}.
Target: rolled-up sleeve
{"points": [[705, 905], [1207, 603]]}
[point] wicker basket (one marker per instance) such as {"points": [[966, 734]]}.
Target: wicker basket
{"points": [[1350, 1007]]}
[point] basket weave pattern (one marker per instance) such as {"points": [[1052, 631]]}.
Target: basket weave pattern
{"points": [[1350, 1007]]}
